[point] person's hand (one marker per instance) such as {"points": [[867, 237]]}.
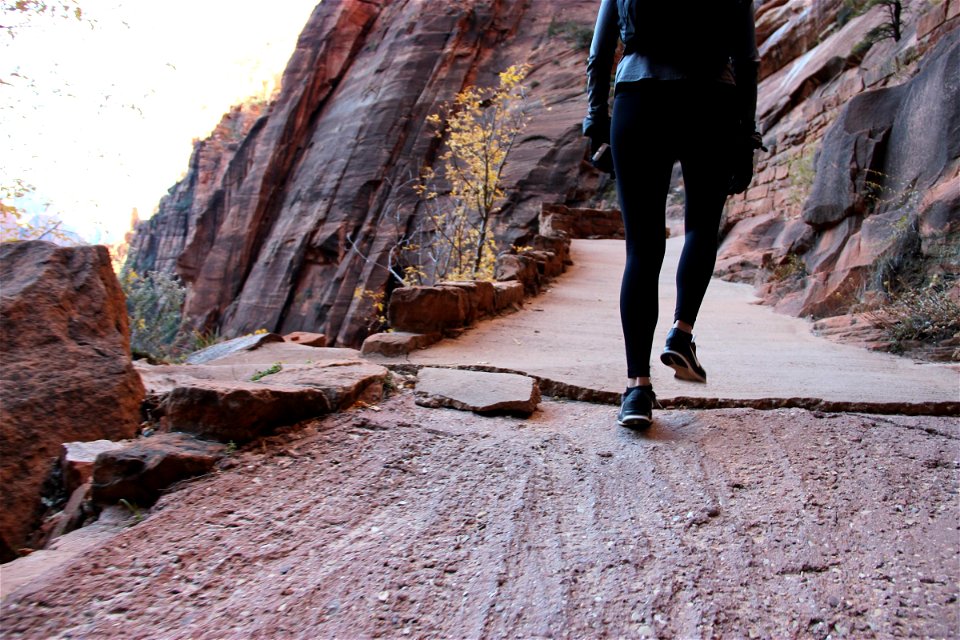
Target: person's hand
{"points": [[602, 159], [600, 155], [742, 162]]}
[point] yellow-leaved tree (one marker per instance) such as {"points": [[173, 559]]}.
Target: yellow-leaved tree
{"points": [[480, 132]]}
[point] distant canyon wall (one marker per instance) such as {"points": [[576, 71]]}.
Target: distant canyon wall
{"points": [[262, 227]]}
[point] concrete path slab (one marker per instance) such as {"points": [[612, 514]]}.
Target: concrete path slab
{"points": [[478, 391], [571, 334]]}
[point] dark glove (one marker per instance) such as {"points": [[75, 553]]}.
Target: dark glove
{"points": [[742, 161], [599, 133]]}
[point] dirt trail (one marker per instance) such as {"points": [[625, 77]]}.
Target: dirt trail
{"points": [[412, 522]]}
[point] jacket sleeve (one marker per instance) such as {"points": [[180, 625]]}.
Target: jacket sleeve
{"points": [[599, 65], [746, 64]]}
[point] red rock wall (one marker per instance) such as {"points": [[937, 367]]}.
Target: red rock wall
{"points": [[808, 79], [262, 233]]}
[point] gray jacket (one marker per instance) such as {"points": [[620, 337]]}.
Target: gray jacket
{"points": [[741, 69]]}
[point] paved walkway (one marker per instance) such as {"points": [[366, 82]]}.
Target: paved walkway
{"points": [[571, 333]]}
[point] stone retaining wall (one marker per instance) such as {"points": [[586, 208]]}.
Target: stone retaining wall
{"points": [[420, 316]]}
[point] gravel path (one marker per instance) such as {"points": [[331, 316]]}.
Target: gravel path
{"points": [[412, 522]]}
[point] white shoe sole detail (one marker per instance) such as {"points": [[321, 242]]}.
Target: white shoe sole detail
{"points": [[683, 370], [633, 421]]}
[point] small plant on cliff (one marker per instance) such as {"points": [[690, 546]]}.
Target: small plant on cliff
{"points": [[379, 307], [891, 27], [802, 170], [135, 511], [276, 367], [483, 128], [580, 36], [791, 266], [926, 315]]}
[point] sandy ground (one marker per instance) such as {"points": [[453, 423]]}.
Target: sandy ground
{"points": [[427, 523]]}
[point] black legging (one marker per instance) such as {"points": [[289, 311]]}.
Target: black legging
{"points": [[656, 123]]}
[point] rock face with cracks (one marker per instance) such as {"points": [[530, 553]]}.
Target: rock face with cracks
{"points": [[66, 373], [862, 168], [271, 234]]}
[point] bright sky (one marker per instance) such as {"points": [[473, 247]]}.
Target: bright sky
{"points": [[105, 119]]}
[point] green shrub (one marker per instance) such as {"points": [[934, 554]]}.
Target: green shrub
{"points": [[926, 315], [154, 304], [578, 35], [791, 266], [803, 171]]}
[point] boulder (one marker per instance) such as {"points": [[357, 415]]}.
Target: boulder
{"points": [[428, 309], [559, 245], [480, 295], [558, 219], [549, 264], [66, 372], [507, 294], [307, 339], [141, 470], [521, 268], [229, 347], [240, 401], [77, 458], [480, 392], [397, 343]]}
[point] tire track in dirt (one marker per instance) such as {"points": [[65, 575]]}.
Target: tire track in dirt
{"points": [[411, 522]]}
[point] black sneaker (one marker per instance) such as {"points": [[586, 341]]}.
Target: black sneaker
{"points": [[636, 407], [680, 354]]}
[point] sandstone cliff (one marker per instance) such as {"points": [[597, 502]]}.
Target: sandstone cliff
{"points": [[262, 232], [862, 173], [261, 228]]}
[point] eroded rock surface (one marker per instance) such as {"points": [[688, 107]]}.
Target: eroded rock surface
{"points": [[421, 522], [864, 155]]}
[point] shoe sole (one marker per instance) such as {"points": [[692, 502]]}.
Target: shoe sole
{"points": [[635, 421], [681, 366]]}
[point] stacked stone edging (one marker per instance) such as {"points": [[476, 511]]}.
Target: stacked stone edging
{"points": [[558, 219], [420, 316]]}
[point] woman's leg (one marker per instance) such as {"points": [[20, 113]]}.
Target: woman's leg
{"points": [[643, 157], [704, 158]]}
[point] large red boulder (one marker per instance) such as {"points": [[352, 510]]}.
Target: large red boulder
{"points": [[66, 372]]}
